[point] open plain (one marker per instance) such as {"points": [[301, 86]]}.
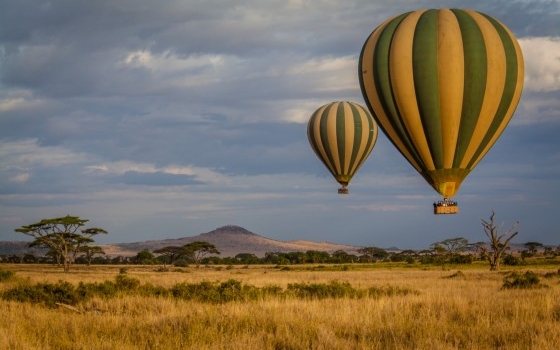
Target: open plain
{"points": [[392, 306]]}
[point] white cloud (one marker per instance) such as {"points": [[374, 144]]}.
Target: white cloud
{"points": [[542, 63], [26, 153], [122, 167], [168, 61], [18, 99], [20, 178]]}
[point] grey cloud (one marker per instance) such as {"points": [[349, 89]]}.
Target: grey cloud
{"points": [[64, 62]]}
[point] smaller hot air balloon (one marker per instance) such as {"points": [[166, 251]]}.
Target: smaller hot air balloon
{"points": [[342, 134]]}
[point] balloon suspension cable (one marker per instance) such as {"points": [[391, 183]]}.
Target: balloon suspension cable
{"points": [[446, 206]]}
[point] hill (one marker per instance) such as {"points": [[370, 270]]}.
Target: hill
{"points": [[230, 241]]}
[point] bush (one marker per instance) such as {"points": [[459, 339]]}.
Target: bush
{"points": [[125, 283], [461, 259], [376, 292], [458, 274], [203, 291], [149, 289], [104, 290], [511, 260], [322, 290], [44, 293], [528, 280], [181, 263], [6, 275]]}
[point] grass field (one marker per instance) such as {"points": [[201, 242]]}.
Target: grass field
{"points": [[461, 307]]}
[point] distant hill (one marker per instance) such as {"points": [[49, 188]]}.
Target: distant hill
{"points": [[230, 241]]}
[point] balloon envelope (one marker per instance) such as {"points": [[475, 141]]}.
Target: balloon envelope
{"points": [[342, 134], [442, 85]]}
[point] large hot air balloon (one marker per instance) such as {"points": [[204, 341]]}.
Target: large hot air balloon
{"points": [[442, 85], [342, 134]]}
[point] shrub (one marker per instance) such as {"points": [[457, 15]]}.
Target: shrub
{"points": [[458, 274], [203, 291], [125, 283], [6, 275], [376, 292], [44, 293], [104, 290], [525, 281], [149, 289], [511, 260], [322, 290], [461, 259], [181, 263]]}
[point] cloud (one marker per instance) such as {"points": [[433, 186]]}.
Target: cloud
{"points": [[20, 178], [28, 153], [151, 117], [542, 63]]}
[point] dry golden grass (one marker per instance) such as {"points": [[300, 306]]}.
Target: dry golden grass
{"points": [[467, 312]]}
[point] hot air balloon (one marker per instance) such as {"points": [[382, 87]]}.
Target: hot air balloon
{"points": [[442, 85], [342, 134]]}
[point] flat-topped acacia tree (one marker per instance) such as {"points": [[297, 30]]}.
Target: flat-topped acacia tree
{"points": [[193, 251], [62, 236]]}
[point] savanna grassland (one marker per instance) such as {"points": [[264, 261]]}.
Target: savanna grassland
{"points": [[376, 306]]}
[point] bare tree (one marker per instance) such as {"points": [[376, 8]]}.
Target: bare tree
{"points": [[499, 242]]}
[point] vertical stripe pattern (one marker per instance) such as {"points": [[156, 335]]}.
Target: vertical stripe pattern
{"points": [[342, 134], [442, 85]]}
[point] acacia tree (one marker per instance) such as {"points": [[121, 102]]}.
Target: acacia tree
{"points": [[532, 247], [200, 249], [373, 253], [170, 254], [194, 251], [62, 236], [499, 242], [455, 245], [90, 251]]}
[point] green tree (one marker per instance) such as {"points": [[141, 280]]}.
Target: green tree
{"points": [[194, 251], [317, 256], [170, 254], [61, 235], [373, 253], [498, 242], [247, 258], [144, 257], [532, 247], [340, 256], [455, 245], [200, 249], [90, 251]]}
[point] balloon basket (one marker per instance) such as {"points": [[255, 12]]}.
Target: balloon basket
{"points": [[446, 206], [343, 190]]}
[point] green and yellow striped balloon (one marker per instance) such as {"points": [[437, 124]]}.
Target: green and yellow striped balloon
{"points": [[442, 85], [342, 134]]}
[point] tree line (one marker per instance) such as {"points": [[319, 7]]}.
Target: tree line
{"points": [[66, 242]]}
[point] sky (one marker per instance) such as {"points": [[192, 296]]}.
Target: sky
{"points": [[170, 118]]}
